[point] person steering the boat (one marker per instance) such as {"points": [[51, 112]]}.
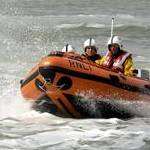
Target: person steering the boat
{"points": [[69, 49], [90, 50], [117, 59]]}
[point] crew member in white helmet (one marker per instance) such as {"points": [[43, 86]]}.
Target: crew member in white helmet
{"points": [[68, 48], [116, 58], [90, 50]]}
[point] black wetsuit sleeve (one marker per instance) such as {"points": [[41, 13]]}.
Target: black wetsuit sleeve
{"points": [[95, 57], [92, 58]]}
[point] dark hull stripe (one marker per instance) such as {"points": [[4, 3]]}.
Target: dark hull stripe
{"points": [[65, 108], [100, 79], [90, 77], [44, 97], [60, 101], [34, 75]]}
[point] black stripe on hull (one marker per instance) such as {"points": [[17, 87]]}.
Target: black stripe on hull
{"points": [[96, 78], [100, 79], [65, 108], [30, 78], [45, 104]]}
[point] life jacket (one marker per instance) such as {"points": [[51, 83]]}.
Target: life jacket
{"points": [[116, 62]]}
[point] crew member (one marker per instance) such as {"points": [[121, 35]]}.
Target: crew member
{"points": [[116, 58], [90, 50]]}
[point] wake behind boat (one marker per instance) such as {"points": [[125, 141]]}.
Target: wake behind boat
{"points": [[56, 84]]}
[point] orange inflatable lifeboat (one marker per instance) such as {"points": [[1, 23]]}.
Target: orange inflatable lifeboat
{"points": [[58, 79]]}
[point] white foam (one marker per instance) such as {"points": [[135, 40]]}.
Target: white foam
{"points": [[12, 104], [95, 25], [125, 16], [67, 26], [74, 25]]}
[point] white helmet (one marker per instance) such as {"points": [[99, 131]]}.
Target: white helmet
{"points": [[115, 40], [89, 42], [68, 48]]}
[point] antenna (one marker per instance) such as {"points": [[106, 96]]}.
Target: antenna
{"points": [[112, 27], [67, 47]]}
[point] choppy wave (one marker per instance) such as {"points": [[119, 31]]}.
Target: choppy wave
{"points": [[119, 27], [90, 25], [44, 129], [28, 129]]}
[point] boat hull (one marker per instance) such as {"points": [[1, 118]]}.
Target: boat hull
{"points": [[64, 85]]}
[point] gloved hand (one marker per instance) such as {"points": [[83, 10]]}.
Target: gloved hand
{"points": [[135, 72]]}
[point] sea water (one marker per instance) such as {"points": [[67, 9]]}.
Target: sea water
{"points": [[30, 29]]}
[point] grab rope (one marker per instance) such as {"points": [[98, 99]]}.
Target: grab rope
{"points": [[48, 83]]}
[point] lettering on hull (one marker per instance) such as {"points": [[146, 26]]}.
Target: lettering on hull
{"points": [[79, 65]]}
